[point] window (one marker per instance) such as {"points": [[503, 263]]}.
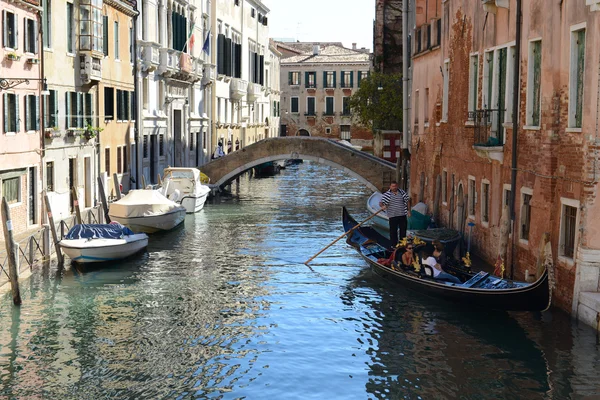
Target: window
{"points": [[10, 105], [488, 79], [145, 146], [446, 89], [31, 37], [471, 195], [119, 161], [32, 113], [116, 39], [416, 112], [192, 140], [109, 104], [90, 25], [473, 83], [131, 45], [568, 229], [11, 189], [362, 75], [485, 199], [576, 78], [348, 79], [506, 198], [123, 105], [328, 130], [107, 161], [329, 79], [525, 216], [50, 176], [311, 79], [11, 27], [310, 106], [346, 105], [534, 77], [47, 23], [69, 34], [51, 109], [329, 105], [79, 109], [426, 107], [294, 78], [294, 104], [105, 35], [179, 26], [444, 186], [345, 132], [161, 144]]}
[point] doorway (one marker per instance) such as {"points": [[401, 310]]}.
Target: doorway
{"points": [[153, 159], [87, 173], [178, 150], [72, 180], [303, 132]]}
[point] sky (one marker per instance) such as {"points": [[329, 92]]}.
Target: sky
{"points": [[346, 21]]}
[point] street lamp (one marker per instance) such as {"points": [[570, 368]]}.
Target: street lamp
{"points": [[8, 83]]}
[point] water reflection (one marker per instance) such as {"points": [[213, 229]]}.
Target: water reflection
{"points": [[225, 308]]}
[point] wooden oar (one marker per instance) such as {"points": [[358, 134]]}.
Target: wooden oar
{"points": [[345, 233]]}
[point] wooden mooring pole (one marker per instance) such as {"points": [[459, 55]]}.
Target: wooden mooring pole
{"points": [[12, 255], [117, 186], [59, 254], [103, 198], [76, 205]]}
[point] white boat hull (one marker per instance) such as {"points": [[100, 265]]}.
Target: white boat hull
{"points": [[102, 250], [381, 220], [152, 223], [194, 204]]}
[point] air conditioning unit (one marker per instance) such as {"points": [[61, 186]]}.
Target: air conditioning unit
{"points": [[90, 68], [493, 5]]}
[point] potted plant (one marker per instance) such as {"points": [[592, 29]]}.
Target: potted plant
{"points": [[13, 56], [33, 60], [91, 131]]}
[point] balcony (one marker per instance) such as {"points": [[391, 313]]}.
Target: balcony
{"points": [[150, 56], [197, 70], [169, 62], [488, 133], [238, 88], [594, 4], [254, 91], [90, 68], [209, 73]]}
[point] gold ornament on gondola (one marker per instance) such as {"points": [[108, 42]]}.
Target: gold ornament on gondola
{"points": [[467, 260], [402, 243], [418, 242], [416, 264]]}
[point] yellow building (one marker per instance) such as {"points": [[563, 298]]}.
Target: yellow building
{"points": [[115, 93]]}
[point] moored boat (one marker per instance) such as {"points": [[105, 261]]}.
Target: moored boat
{"points": [[183, 186], [477, 289], [269, 168], [381, 219], [90, 243], [147, 211]]}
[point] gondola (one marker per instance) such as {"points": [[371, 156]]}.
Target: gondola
{"points": [[479, 289]]}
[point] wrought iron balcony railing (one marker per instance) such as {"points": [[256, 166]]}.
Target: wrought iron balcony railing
{"points": [[489, 130]]}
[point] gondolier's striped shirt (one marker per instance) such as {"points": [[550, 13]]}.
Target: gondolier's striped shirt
{"points": [[397, 204]]}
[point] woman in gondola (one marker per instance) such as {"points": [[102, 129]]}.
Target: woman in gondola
{"points": [[408, 255], [439, 254]]}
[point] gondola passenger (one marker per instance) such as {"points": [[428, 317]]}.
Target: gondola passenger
{"points": [[408, 256], [438, 272], [439, 253]]}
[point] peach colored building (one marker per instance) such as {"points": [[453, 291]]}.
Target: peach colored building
{"points": [[20, 89], [462, 127]]}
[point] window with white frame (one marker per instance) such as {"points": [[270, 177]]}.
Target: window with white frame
{"points": [[90, 25], [32, 113], [116, 39], [568, 227], [473, 83], [329, 79], [444, 186], [69, 34], [31, 37], [446, 89], [11, 189], [485, 201], [294, 105], [347, 81], [50, 176], [526, 195], [10, 106], [471, 198], [345, 132], [310, 106], [534, 83], [10, 31], [47, 23], [294, 78], [576, 78], [329, 105], [345, 105]]}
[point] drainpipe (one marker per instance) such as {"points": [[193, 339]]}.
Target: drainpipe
{"points": [[40, 16], [401, 163], [137, 122], [515, 118]]}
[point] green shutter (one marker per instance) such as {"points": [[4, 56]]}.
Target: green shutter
{"points": [[27, 114], [105, 34], [359, 77], [52, 109], [89, 111], [68, 109], [5, 106], [325, 79], [290, 78], [37, 113], [580, 83], [80, 110], [351, 79], [342, 76], [334, 79], [306, 79], [18, 121]]}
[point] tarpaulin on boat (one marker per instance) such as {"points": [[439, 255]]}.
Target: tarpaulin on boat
{"points": [[98, 231], [142, 203]]}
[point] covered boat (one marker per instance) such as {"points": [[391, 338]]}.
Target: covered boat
{"points": [[147, 211], [480, 289], [87, 243], [183, 186]]}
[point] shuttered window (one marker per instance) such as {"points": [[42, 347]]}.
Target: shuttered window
{"points": [[346, 105], [310, 106], [329, 105], [311, 79], [294, 78], [294, 104], [31, 37], [10, 33], [536, 82], [11, 189], [10, 106], [329, 79], [32, 113], [109, 103], [105, 35]]}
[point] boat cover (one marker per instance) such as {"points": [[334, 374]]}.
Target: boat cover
{"points": [[142, 203], [98, 231]]}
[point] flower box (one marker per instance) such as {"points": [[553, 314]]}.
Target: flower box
{"points": [[13, 57], [33, 61], [51, 134]]}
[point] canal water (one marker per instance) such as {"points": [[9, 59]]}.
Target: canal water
{"points": [[225, 308]]}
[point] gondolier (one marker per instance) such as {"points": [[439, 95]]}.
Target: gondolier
{"points": [[396, 202]]}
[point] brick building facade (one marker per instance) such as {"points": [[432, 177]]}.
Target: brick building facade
{"points": [[462, 132], [317, 80]]}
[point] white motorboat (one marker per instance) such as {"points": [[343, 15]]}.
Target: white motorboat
{"points": [[381, 220], [86, 243], [183, 186], [147, 211]]}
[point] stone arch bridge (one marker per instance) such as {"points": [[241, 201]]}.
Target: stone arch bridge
{"points": [[374, 172]]}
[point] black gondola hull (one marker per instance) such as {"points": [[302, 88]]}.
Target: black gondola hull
{"points": [[530, 297]]}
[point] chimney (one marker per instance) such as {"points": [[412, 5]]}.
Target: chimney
{"points": [[353, 46], [316, 50]]}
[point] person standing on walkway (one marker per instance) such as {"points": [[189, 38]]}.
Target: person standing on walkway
{"points": [[397, 204]]}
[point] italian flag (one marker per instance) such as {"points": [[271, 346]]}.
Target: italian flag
{"points": [[191, 37]]}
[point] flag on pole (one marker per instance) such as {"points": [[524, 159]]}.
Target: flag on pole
{"points": [[206, 46], [189, 44]]}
